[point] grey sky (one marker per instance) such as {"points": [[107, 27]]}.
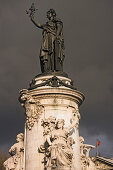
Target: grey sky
{"points": [[88, 31]]}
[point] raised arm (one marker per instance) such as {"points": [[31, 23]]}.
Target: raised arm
{"points": [[89, 146], [36, 23]]}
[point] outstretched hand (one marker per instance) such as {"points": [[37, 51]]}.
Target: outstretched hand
{"points": [[93, 147], [31, 11]]}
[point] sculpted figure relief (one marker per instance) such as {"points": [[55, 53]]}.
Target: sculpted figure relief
{"points": [[33, 109], [84, 151], [76, 115], [58, 151], [61, 154], [52, 48], [15, 162]]}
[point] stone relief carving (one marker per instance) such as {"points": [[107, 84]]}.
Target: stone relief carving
{"points": [[58, 144], [85, 158], [15, 162], [53, 82], [76, 114], [33, 109]]}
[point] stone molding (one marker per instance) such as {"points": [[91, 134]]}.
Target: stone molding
{"points": [[46, 92]]}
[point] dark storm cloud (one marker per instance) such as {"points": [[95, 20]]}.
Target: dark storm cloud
{"points": [[88, 34]]}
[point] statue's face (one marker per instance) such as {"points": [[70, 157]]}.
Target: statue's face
{"points": [[52, 126], [60, 125], [81, 140], [49, 15], [18, 139]]}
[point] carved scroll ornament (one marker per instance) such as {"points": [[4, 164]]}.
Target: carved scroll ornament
{"points": [[33, 109]]}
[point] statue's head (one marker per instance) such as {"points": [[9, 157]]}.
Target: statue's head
{"points": [[44, 122], [51, 14], [60, 123], [52, 122], [20, 137], [81, 139], [70, 141], [52, 119]]}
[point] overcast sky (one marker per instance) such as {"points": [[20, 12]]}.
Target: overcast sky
{"points": [[88, 31]]}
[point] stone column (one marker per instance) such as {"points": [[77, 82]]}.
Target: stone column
{"points": [[49, 96], [76, 147], [33, 131]]}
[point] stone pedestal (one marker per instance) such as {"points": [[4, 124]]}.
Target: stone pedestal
{"points": [[49, 96]]}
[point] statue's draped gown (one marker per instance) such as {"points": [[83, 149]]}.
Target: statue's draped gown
{"points": [[52, 48], [60, 149]]}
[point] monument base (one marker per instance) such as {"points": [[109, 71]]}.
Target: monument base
{"points": [[52, 122]]}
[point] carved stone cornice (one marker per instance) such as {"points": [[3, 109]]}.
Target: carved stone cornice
{"points": [[47, 92]]}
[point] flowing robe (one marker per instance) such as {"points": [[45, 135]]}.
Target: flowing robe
{"points": [[52, 48], [61, 152]]}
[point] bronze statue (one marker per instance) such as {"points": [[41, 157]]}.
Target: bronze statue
{"points": [[52, 48]]}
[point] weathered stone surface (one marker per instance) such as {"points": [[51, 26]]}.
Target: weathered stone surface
{"points": [[57, 128], [86, 162], [58, 144], [16, 161], [103, 163]]}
